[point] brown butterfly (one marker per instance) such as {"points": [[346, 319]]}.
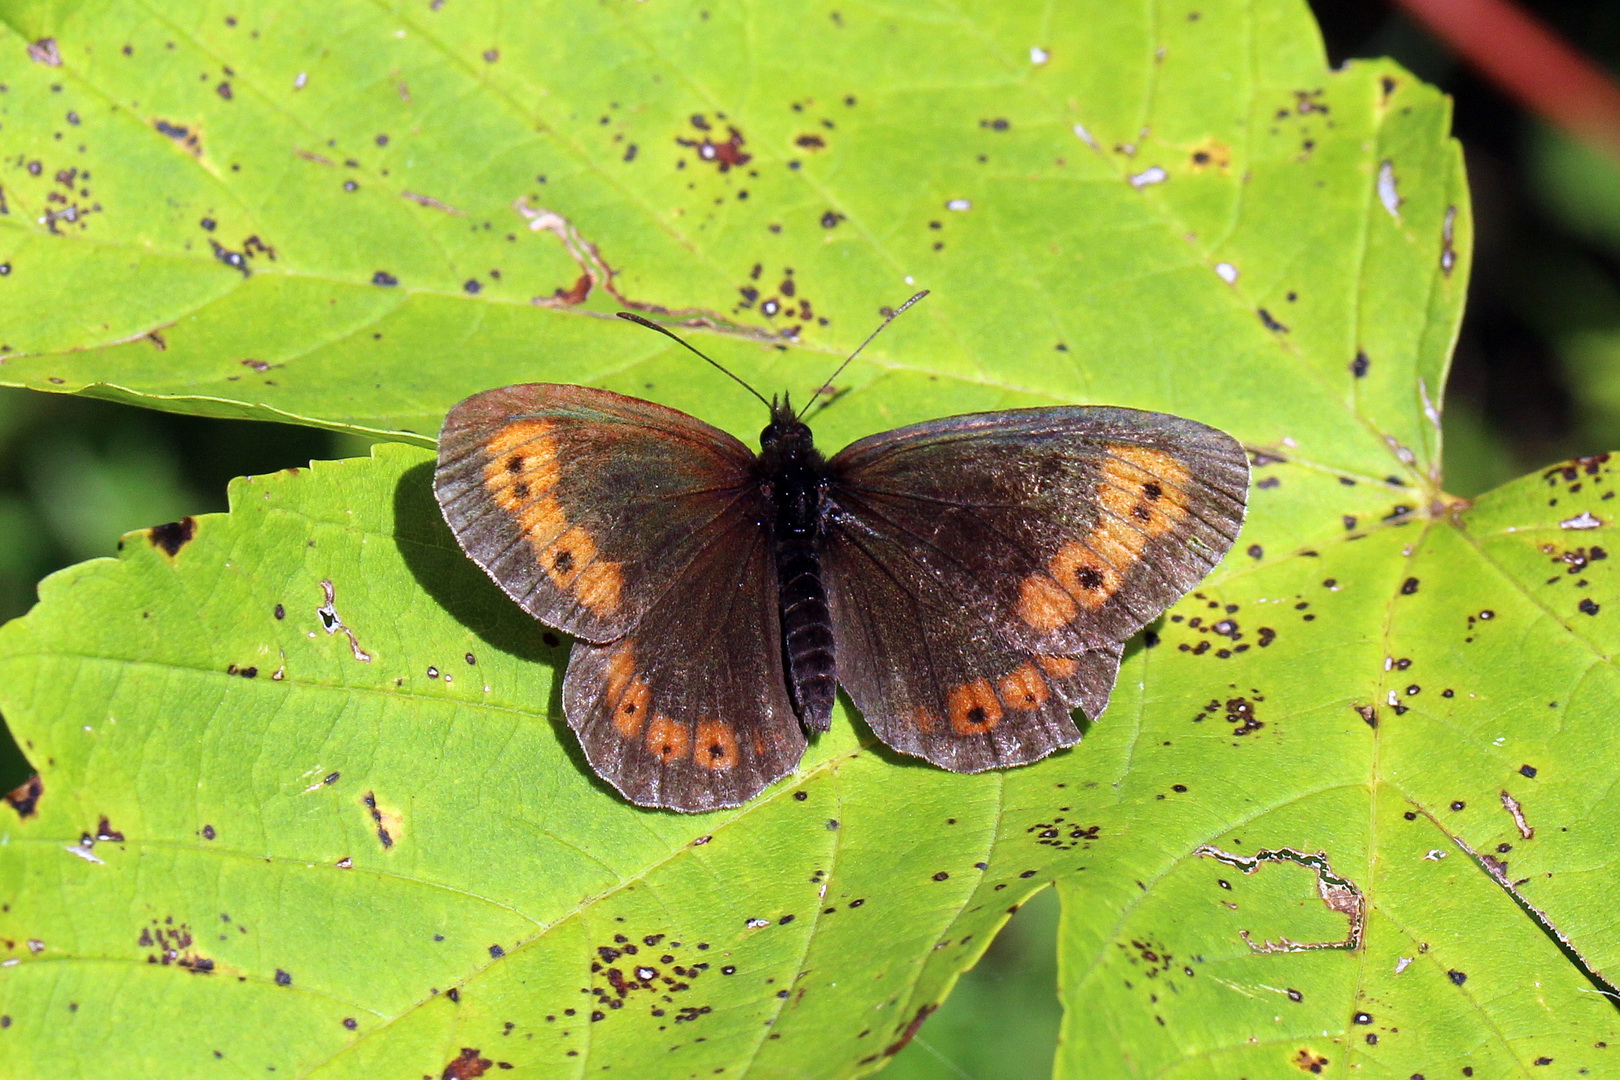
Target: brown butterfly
{"points": [[969, 581]]}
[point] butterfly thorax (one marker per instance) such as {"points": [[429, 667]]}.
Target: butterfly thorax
{"points": [[793, 475]]}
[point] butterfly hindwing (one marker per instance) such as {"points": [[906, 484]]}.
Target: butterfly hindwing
{"points": [[984, 570], [585, 505], [690, 710], [936, 678]]}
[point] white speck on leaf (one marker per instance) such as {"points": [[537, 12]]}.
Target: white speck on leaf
{"points": [[1402, 963], [1429, 408], [1387, 193], [959, 205], [1584, 520], [83, 851], [1226, 272], [298, 83], [1085, 136], [1149, 177], [1038, 55], [1435, 855]]}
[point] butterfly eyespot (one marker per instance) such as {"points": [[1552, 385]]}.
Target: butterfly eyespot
{"points": [[1023, 688], [630, 712], [1094, 566], [1141, 513], [565, 555], [520, 490], [1152, 490], [514, 464], [717, 745], [667, 740], [973, 708]]}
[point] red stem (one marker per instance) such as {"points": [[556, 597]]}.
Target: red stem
{"points": [[1523, 56]]}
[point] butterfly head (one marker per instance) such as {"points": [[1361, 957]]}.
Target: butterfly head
{"points": [[786, 434]]}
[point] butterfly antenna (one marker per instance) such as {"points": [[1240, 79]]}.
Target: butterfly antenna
{"points": [[649, 324], [893, 315]]}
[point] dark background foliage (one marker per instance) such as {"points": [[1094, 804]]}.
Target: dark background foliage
{"points": [[1536, 378]]}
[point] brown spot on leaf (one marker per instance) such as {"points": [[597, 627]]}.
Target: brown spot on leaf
{"points": [[466, 1066], [910, 1030], [725, 155], [183, 136], [172, 537], [24, 798], [1310, 1061], [389, 823]]}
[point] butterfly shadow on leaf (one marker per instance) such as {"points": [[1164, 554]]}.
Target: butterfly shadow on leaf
{"points": [[469, 597], [463, 590]]}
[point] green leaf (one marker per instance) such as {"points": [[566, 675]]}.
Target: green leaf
{"points": [[251, 173], [223, 750], [1179, 208], [1430, 721]]}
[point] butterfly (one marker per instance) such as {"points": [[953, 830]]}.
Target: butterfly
{"points": [[968, 581]]}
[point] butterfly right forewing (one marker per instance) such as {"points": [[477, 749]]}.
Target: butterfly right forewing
{"points": [[1072, 527]]}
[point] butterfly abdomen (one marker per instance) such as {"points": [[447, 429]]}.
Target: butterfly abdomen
{"points": [[807, 638], [794, 473]]}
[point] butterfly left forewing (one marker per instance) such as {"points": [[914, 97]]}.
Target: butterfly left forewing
{"points": [[985, 570], [690, 710]]}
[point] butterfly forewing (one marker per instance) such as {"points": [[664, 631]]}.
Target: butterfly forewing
{"points": [[585, 505], [985, 570]]}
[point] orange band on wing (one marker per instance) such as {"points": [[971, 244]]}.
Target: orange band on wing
{"points": [[521, 474], [1141, 494]]}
